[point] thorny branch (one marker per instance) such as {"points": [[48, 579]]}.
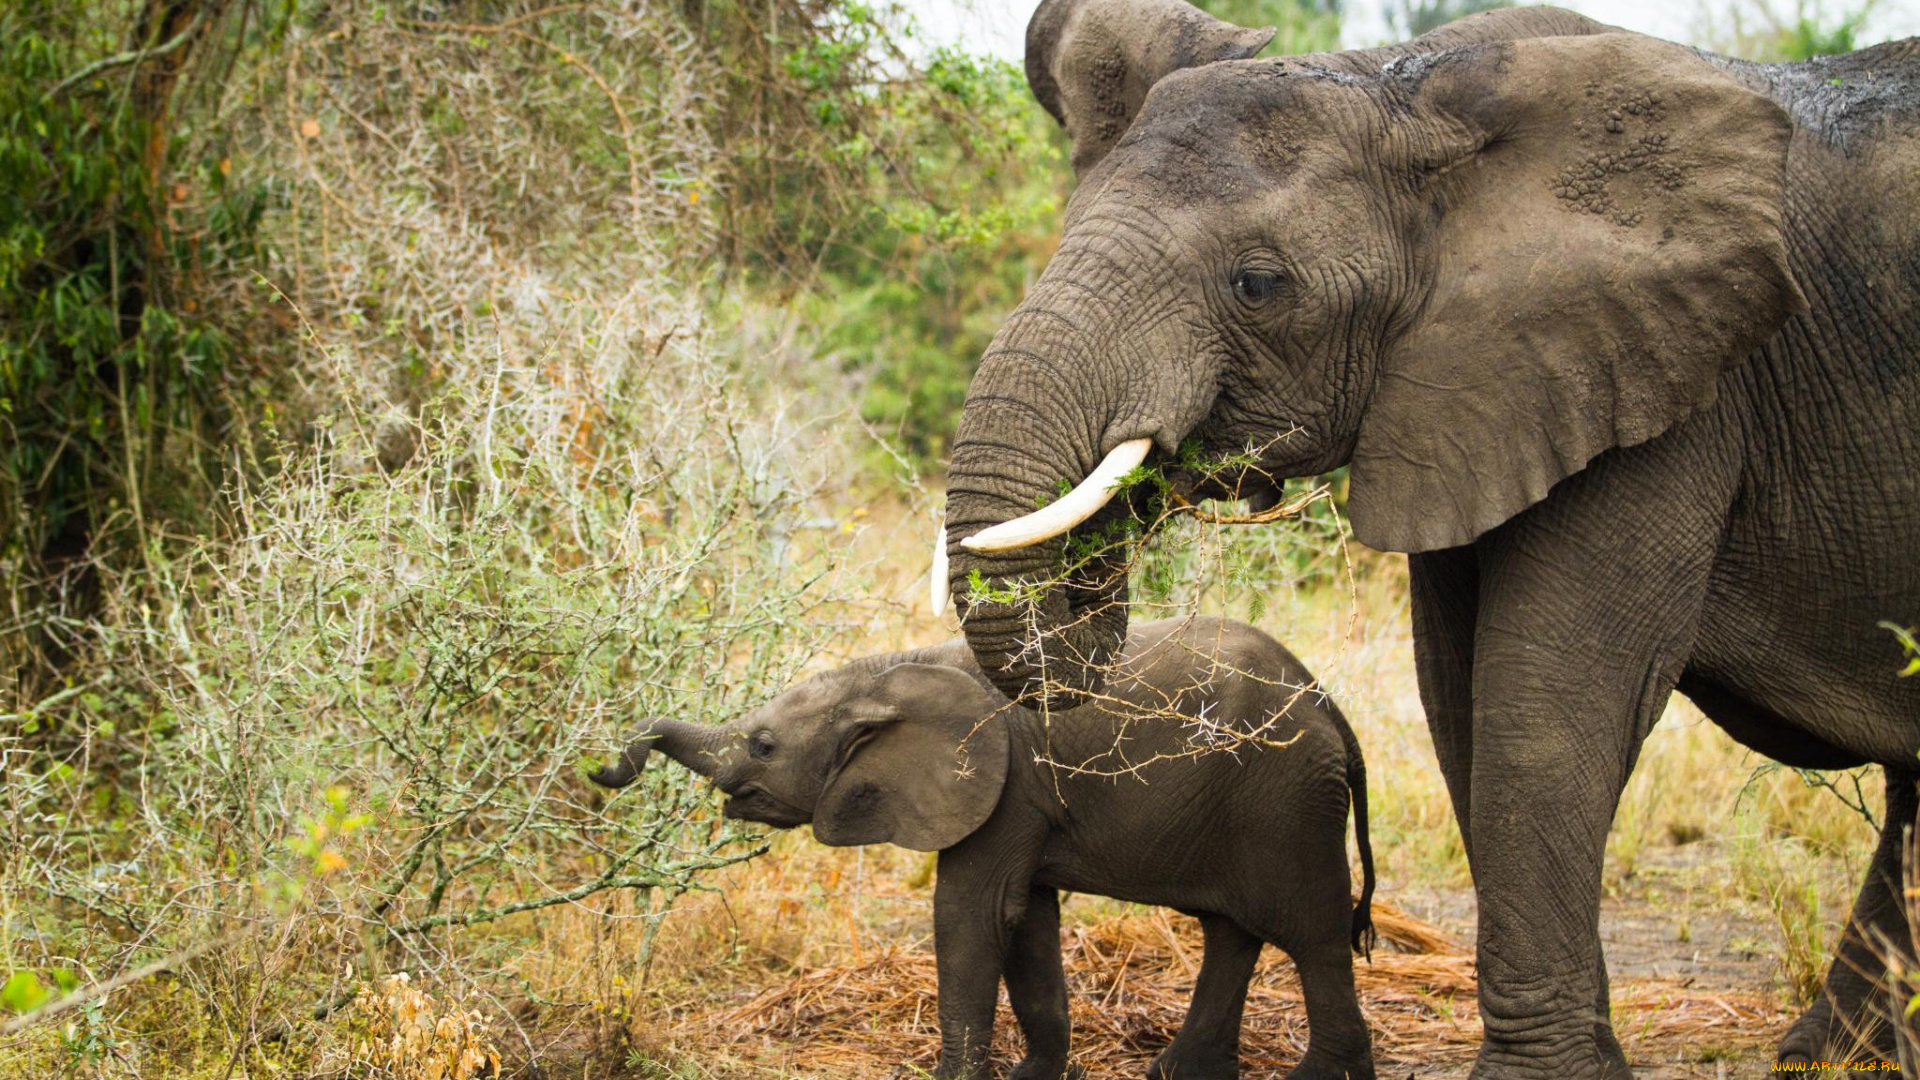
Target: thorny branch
{"points": [[1206, 733]]}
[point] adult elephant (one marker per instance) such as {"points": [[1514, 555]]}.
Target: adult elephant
{"points": [[1622, 343]]}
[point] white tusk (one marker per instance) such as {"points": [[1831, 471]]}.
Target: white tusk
{"points": [[937, 585], [1071, 509]]}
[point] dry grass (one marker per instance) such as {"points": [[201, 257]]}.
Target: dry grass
{"points": [[1130, 974]]}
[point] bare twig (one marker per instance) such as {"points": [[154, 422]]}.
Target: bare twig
{"points": [[1291, 508]]}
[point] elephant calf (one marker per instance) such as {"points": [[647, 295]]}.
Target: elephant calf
{"points": [[918, 749]]}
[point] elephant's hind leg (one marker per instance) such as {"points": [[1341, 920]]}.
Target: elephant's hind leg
{"points": [[1846, 1022], [1338, 1046], [1313, 924], [1208, 1045]]}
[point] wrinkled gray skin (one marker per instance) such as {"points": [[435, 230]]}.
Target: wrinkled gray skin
{"points": [[1622, 344], [917, 748]]}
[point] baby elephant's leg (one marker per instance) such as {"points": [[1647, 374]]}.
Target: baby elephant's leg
{"points": [[1037, 988], [970, 942], [1338, 1047], [1208, 1046]]}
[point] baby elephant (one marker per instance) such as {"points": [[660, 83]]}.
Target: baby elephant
{"points": [[917, 749]]}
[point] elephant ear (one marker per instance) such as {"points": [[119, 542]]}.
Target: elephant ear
{"points": [[1609, 239], [923, 773], [1091, 62]]}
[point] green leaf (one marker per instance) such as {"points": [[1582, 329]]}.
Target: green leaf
{"points": [[23, 992]]}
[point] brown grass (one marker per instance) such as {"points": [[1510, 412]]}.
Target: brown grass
{"points": [[1130, 978]]}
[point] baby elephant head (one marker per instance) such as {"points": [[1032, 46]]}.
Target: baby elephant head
{"points": [[911, 754]]}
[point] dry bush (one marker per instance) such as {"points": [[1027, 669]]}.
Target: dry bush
{"points": [[407, 1035], [368, 711], [514, 502]]}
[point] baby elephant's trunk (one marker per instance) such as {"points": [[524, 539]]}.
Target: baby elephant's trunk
{"points": [[703, 749], [620, 773]]}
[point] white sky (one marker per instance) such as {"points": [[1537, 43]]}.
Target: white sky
{"points": [[999, 26]]}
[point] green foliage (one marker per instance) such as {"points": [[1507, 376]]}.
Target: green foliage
{"points": [[1810, 36], [1239, 570], [1774, 30], [1909, 644], [1199, 559], [24, 992], [961, 194], [1300, 26], [109, 243]]}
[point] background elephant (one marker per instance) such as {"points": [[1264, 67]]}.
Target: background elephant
{"points": [[918, 749], [1622, 344]]}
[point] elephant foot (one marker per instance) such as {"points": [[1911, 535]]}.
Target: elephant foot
{"points": [[1820, 1035], [1310, 1069], [1181, 1063], [1589, 1059], [972, 1070], [1046, 1068]]}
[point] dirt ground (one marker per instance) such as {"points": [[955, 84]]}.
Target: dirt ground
{"points": [[1694, 995]]}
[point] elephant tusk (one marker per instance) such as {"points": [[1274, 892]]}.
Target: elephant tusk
{"points": [[937, 577], [1071, 509]]}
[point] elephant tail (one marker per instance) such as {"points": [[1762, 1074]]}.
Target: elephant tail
{"points": [[1363, 933]]}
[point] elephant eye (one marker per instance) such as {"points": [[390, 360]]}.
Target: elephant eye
{"points": [[1255, 286], [760, 747]]}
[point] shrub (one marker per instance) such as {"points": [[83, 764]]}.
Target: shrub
{"points": [[506, 498], [356, 729], [115, 373]]}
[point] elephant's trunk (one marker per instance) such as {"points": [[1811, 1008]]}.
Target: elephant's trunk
{"points": [[704, 750], [1020, 440], [1048, 645], [1077, 384]]}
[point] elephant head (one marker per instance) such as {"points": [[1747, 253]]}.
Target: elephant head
{"points": [[1464, 272], [908, 753]]}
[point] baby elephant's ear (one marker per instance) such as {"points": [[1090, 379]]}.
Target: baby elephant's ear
{"points": [[924, 773]]}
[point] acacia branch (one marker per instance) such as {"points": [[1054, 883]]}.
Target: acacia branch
{"points": [[669, 877], [132, 56], [1284, 510]]}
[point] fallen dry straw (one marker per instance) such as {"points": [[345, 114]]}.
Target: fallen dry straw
{"points": [[1130, 978]]}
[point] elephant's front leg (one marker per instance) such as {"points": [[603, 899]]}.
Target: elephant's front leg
{"points": [[1537, 872], [1547, 777], [975, 909], [1446, 611], [1577, 647]]}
